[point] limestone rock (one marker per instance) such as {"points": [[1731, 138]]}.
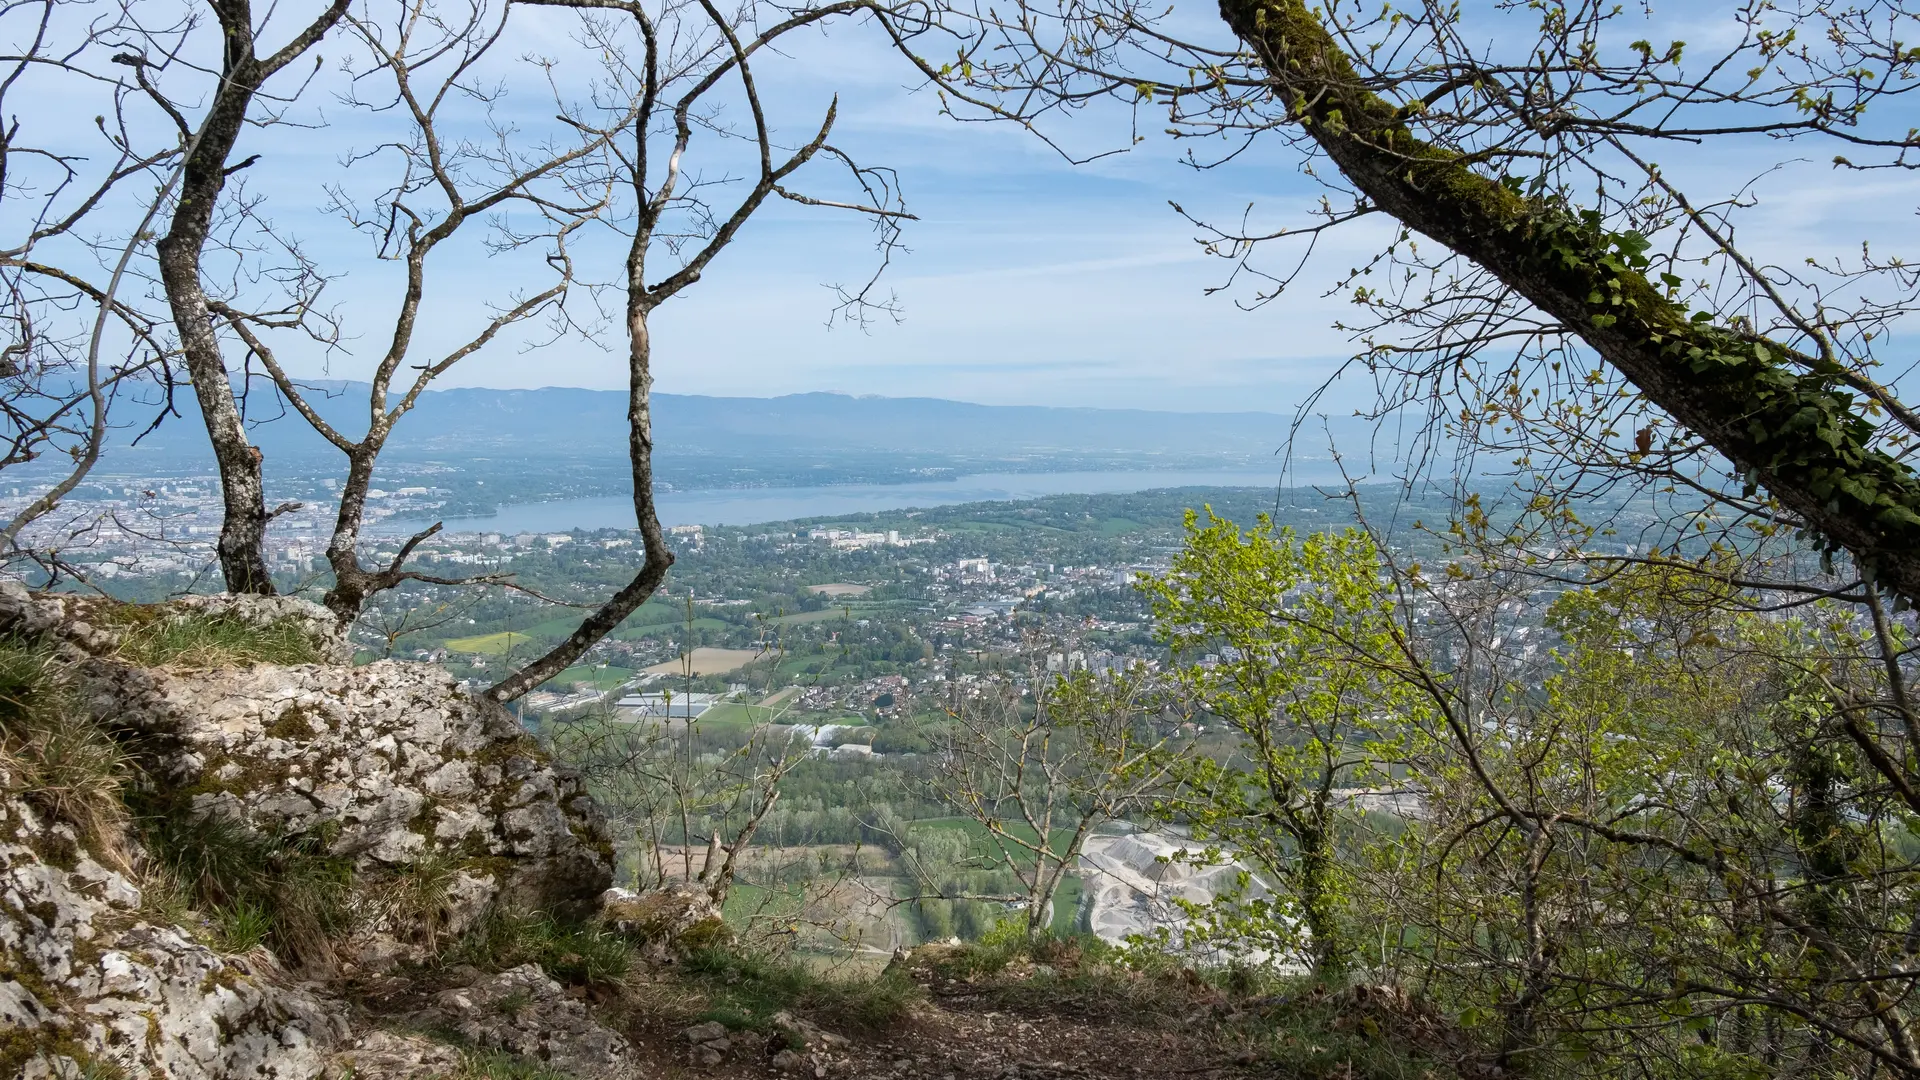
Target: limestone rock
{"points": [[801, 1034], [400, 769], [523, 1012], [805, 1048], [709, 1032], [673, 919], [45, 615], [78, 621], [88, 981], [442, 805], [319, 623], [388, 1055]]}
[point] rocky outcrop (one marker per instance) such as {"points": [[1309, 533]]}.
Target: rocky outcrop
{"points": [[90, 980], [89, 625], [524, 1013], [392, 763], [316, 622], [670, 921], [439, 807]]}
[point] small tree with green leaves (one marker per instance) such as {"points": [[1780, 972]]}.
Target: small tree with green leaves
{"points": [[1275, 635], [1037, 776]]}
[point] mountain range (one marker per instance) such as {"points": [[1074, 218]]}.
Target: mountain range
{"points": [[567, 422]]}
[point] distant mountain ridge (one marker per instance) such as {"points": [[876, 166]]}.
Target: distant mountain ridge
{"points": [[563, 421]]}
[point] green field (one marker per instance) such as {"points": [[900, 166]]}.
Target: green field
{"points": [[728, 714], [746, 900], [489, 643], [1066, 906], [977, 833]]}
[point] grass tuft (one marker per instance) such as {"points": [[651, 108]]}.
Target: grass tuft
{"points": [[494, 1065], [54, 756], [744, 989], [413, 900], [284, 890], [243, 925], [574, 953], [197, 639]]}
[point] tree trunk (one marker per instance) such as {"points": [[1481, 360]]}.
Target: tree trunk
{"points": [[1784, 419], [653, 568], [1317, 899], [352, 584], [243, 532]]}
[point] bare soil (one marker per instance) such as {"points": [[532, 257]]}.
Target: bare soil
{"points": [[962, 1032], [708, 661]]}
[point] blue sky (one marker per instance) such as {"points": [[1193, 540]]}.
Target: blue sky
{"points": [[1030, 279]]}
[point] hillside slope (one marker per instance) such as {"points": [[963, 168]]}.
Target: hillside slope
{"points": [[226, 853]]}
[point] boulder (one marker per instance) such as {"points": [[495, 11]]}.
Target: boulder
{"points": [[90, 981], [393, 763], [672, 920]]}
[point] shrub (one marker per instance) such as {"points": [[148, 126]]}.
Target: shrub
{"points": [[1320, 1035]]}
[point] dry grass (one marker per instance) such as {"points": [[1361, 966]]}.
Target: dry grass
{"points": [[193, 639], [54, 756]]}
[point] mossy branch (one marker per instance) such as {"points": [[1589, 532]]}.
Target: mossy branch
{"points": [[1786, 420]]}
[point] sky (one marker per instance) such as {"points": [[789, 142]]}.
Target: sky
{"points": [[1029, 279]]}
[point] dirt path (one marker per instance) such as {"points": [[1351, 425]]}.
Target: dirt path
{"points": [[964, 1033]]}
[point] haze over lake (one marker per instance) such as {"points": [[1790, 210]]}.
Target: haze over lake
{"points": [[749, 506]]}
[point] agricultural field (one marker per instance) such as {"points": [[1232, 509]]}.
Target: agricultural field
{"points": [[840, 588], [496, 643], [601, 677], [823, 615], [708, 661]]}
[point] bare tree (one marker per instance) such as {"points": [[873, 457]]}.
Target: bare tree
{"points": [[1039, 776], [235, 101], [678, 70], [78, 342], [620, 160], [418, 62]]}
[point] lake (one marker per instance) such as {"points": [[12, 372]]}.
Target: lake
{"points": [[750, 506]]}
